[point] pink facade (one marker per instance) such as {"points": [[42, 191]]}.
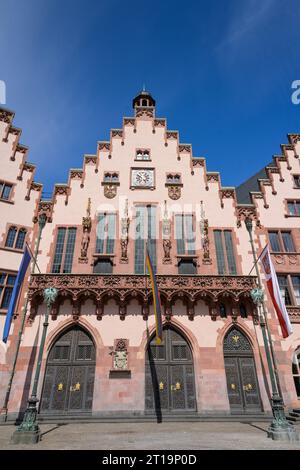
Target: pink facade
{"points": [[144, 186]]}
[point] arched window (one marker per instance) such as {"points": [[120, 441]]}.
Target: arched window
{"points": [[21, 239], [296, 371], [10, 239]]}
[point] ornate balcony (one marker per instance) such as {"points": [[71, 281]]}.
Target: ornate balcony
{"points": [[100, 288]]}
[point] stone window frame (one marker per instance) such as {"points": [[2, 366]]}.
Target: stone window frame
{"points": [[104, 253], [290, 287], [279, 231], [235, 254], [173, 182], [296, 175], [144, 151], [111, 177], [4, 286], [19, 228], [194, 228], [289, 201], [9, 200], [296, 370], [63, 258]]}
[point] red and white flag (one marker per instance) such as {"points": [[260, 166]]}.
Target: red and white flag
{"points": [[273, 287]]}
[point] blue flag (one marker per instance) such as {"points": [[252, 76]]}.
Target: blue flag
{"points": [[15, 293]]}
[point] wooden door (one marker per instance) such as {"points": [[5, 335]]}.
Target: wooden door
{"points": [[69, 378]]}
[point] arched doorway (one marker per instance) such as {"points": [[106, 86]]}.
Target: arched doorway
{"points": [[170, 381], [242, 383], [69, 377]]}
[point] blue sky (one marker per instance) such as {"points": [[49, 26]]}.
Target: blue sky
{"points": [[220, 71]]}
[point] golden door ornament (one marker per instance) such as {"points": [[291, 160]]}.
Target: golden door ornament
{"points": [[178, 386], [161, 386], [60, 387]]}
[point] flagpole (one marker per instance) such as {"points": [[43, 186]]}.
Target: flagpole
{"points": [[42, 223], [280, 429], [257, 260]]}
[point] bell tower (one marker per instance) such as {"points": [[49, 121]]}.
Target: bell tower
{"points": [[143, 100]]}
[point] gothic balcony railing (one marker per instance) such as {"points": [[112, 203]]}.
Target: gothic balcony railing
{"points": [[122, 287]]}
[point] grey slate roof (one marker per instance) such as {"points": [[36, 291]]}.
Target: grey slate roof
{"points": [[251, 184]]}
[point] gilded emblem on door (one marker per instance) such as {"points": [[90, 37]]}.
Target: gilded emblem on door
{"points": [[161, 385], [248, 387], [235, 339], [60, 387], [232, 386], [178, 386], [75, 388]]}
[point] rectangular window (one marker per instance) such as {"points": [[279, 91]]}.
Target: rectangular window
{"points": [[5, 190], [106, 233], [296, 287], [69, 250], [220, 252], [293, 207], [7, 282], [284, 289], [274, 241], [64, 250], [287, 242], [229, 251], [185, 234], [225, 252], [297, 181], [145, 231], [281, 242]]}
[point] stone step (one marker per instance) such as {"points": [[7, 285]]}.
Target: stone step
{"points": [[293, 420], [294, 415], [168, 418]]}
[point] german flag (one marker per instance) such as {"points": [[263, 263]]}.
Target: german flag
{"points": [[156, 299]]}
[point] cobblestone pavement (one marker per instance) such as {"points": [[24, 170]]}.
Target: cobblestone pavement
{"points": [[130, 436]]}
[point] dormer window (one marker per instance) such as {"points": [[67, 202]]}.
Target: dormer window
{"points": [[111, 177], [142, 155], [173, 179]]}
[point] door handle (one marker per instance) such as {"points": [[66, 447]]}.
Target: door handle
{"points": [[177, 386]]}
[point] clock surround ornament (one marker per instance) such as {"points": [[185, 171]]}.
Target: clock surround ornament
{"points": [[142, 178]]}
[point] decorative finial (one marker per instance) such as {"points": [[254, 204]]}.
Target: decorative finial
{"points": [[144, 88]]}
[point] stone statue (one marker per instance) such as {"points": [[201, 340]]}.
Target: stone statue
{"points": [[124, 234], [85, 241], [166, 229]]}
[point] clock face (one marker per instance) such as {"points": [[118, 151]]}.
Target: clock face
{"points": [[143, 178]]}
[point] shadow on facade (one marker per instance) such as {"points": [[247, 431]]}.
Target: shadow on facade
{"points": [[28, 380]]}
